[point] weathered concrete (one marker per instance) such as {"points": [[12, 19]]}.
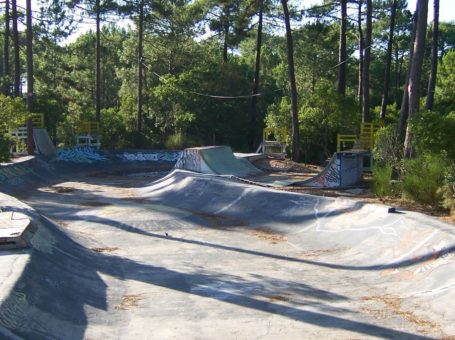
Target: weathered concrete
{"points": [[217, 160], [199, 256]]}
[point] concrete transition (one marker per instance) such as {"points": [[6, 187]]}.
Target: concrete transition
{"points": [[43, 142], [197, 256], [218, 160]]}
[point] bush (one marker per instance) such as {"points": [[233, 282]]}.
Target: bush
{"points": [[423, 177], [4, 148], [433, 133], [388, 150], [179, 141], [382, 185], [448, 190]]}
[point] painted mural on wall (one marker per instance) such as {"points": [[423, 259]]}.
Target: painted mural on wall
{"points": [[330, 176], [80, 155], [190, 159], [343, 170], [165, 156]]}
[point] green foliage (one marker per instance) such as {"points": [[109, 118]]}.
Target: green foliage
{"points": [[392, 114], [180, 141], [382, 185], [448, 189], [182, 104], [4, 148], [434, 133], [322, 115], [113, 129], [12, 115], [388, 149], [445, 86], [423, 177]]}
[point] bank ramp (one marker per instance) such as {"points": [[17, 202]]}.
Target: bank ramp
{"points": [[216, 160]]}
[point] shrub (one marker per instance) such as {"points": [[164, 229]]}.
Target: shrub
{"points": [[423, 177], [180, 141], [448, 190], [382, 185], [433, 133], [4, 148], [388, 150]]}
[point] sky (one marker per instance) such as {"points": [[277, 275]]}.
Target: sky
{"points": [[446, 8], [446, 11]]}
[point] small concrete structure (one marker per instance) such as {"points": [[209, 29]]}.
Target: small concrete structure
{"points": [[16, 230]]}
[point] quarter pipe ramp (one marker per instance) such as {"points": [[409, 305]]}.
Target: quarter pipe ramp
{"points": [[217, 160], [43, 142]]}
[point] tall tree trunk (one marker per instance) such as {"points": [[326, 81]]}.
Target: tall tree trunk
{"points": [[140, 67], [361, 50], [17, 65], [255, 121], [30, 78], [388, 62], [434, 57], [405, 99], [226, 33], [295, 118], [342, 54], [98, 63], [416, 71], [6, 71], [366, 66]]}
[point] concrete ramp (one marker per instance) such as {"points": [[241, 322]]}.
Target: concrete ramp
{"points": [[217, 160], [344, 169], [43, 142]]}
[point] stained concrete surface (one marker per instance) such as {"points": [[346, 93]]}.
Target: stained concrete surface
{"points": [[204, 257]]}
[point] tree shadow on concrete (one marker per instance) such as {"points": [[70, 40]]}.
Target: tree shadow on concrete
{"points": [[62, 277]]}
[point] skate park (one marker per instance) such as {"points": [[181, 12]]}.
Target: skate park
{"points": [[135, 243]]}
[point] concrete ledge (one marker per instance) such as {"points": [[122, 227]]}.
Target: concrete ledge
{"points": [[16, 230]]}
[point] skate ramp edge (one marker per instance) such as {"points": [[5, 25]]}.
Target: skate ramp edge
{"points": [[344, 169], [217, 160], [16, 224], [43, 142]]}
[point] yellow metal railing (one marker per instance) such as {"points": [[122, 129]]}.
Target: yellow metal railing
{"points": [[88, 127], [38, 120], [341, 139], [365, 140]]}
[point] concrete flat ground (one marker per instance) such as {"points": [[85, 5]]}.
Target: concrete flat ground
{"points": [[120, 256]]}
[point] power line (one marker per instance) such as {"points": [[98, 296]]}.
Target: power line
{"points": [[161, 79]]}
